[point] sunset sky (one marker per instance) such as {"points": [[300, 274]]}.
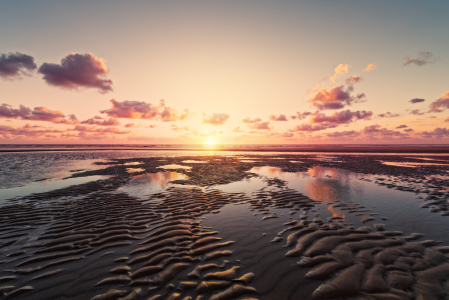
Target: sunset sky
{"points": [[226, 72]]}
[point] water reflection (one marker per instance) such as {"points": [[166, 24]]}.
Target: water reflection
{"points": [[410, 164], [174, 167], [143, 185]]}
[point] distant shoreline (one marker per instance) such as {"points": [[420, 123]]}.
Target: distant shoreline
{"points": [[394, 149]]}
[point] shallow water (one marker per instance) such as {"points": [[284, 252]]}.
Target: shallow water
{"points": [[239, 196]]}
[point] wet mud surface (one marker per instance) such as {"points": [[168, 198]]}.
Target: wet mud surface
{"points": [[191, 237]]}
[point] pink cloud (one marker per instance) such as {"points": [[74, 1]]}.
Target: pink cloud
{"points": [[388, 115], [249, 121], [216, 119], [384, 132], [334, 98], [40, 113], [300, 115], [100, 121], [436, 133], [401, 126], [237, 129], [343, 134], [441, 104], [129, 125], [141, 110], [8, 132], [13, 65], [341, 117], [416, 112], [112, 130], [353, 79], [277, 118], [312, 127], [257, 124], [77, 71], [151, 126]]}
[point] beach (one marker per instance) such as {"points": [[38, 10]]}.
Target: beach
{"points": [[230, 224]]}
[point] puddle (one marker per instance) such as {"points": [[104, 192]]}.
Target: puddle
{"points": [[333, 187], [174, 167], [45, 186], [141, 186], [195, 161], [134, 170], [410, 164]]}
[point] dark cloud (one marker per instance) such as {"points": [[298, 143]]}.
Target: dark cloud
{"points": [[97, 120], [423, 57], [277, 118], [343, 134], [129, 125], [436, 133], [408, 130], [416, 100], [77, 71], [40, 113], [388, 115], [335, 98], [13, 65], [401, 126], [441, 104], [142, 110], [216, 119], [300, 115]]}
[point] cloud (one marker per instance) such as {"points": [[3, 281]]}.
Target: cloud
{"points": [[441, 104], [401, 126], [369, 67], [151, 126], [249, 121], [300, 115], [416, 100], [281, 135], [97, 120], [334, 98], [312, 127], [142, 110], [277, 118], [388, 115], [13, 65], [340, 70], [416, 112], [76, 71], [437, 132], [129, 125], [353, 79], [261, 126], [423, 57], [178, 129], [9, 132], [216, 119], [112, 130], [319, 121], [341, 117], [40, 113], [408, 130], [343, 134], [384, 132], [237, 129]]}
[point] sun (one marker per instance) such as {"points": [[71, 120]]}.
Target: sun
{"points": [[210, 142]]}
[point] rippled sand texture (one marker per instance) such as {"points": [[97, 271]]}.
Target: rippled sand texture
{"points": [[92, 241]]}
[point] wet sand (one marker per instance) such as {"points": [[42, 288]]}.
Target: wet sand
{"points": [[193, 239]]}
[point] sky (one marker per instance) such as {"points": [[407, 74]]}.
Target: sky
{"points": [[224, 72]]}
